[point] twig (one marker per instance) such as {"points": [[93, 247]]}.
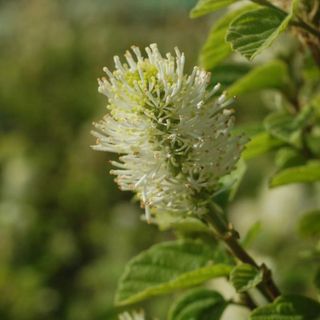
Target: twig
{"points": [[230, 237], [300, 23], [248, 301]]}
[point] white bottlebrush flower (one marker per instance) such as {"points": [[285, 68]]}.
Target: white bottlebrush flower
{"points": [[132, 316], [172, 134]]}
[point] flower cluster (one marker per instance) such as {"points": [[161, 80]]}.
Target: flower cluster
{"points": [[172, 135]]}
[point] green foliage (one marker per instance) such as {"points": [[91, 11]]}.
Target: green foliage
{"points": [[288, 157], [291, 159], [315, 103], [287, 127], [312, 140], [198, 304], [244, 277], [251, 234], [230, 184], [216, 49], [281, 125], [166, 267], [317, 279], [291, 307], [254, 31], [272, 75], [207, 6], [228, 73], [301, 174], [166, 221], [309, 224], [260, 144]]}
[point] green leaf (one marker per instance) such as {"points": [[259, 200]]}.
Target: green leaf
{"points": [[312, 140], [309, 224], [169, 266], [301, 174], [310, 71], [260, 144], [304, 116], [207, 6], [234, 178], [228, 73], [244, 277], [284, 127], [315, 103], [167, 221], [313, 136], [289, 157], [255, 31], [252, 234], [272, 75], [230, 184], [287, 127], [216, 49], [291, 307], [198, 304], [250, 129]]}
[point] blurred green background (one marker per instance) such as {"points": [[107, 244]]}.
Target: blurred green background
{"points": [[66, 231]]}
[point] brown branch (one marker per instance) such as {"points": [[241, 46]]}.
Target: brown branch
{"points": [[248, 301], [230, 237]]}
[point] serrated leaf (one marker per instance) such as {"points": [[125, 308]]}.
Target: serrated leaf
{"points": [[244, 277], [309, 224], [216, 49], [260, 144], [301, 174], [169, 266], [198, 304], [255, 31], [291, 307], [207, 6], [272, 75]]}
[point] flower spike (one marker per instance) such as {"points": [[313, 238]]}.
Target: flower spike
{"points": [[173, 137]]}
